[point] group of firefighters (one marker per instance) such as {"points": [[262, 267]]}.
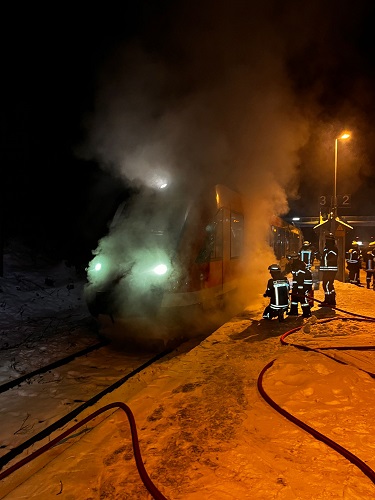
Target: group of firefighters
{"points": [[301, 287], [357, 260]]}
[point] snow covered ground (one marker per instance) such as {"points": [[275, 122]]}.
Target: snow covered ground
{"points": [[34, 291], [205, 431]]}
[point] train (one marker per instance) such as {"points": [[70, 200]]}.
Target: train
{"points": [[284, 238], [173, 262]]}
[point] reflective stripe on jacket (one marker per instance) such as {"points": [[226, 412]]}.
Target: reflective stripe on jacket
{"points": [[329, 260]]}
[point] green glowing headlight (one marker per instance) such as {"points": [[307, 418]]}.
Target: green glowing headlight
{"points": [[160, 269], [98, 266]]}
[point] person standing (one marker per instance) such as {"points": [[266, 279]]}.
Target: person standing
{"points": [[354, 263], [308, 254], [329, 267], [301, 286], [278, 291], [370, 265]]}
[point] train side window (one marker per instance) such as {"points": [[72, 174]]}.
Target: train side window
{"points": [[236, 234], [284, 240], [217, 252], [273, 238], [213, 248], [285, 243], [278, 242]]}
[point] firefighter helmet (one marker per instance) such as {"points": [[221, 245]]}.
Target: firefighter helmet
{"points": [[371, 244], [330, 236], [354, 242], [306, 243], [274, 267]]}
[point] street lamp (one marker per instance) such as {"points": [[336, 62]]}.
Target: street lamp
{"points": [[343, 136]]}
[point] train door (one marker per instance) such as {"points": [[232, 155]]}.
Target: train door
{"points": [[225, 243], [233, 228], [278, 241], [216, 252]]}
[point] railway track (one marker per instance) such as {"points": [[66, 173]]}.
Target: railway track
{"points": [[55, 364], [38, 403]]}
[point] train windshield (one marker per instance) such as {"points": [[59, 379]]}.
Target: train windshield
{"points": [[153, 219]]}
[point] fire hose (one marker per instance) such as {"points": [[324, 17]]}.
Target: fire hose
{"points": [[317, 435], [153, 490], [150, 486]]}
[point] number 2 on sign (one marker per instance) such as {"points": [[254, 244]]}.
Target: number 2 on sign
{"points": [[345, 200]]}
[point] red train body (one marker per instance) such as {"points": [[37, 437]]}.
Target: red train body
{"points": [[171, 261]]}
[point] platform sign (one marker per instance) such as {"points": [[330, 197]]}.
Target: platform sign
{"points": [[325, 201], [343, 201]]}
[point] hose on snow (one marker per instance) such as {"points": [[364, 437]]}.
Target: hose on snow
{"points": [[150, 486], [369, 318], [316, 434], [72, 414], [353, 316], [153, 490]]}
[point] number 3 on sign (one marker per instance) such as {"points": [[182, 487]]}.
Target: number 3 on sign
{"points": [[323, 201]]}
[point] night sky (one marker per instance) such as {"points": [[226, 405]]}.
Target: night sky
{"points": [[87, 90]]}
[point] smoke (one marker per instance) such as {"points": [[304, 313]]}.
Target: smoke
{"points": [[211, 101], [329, 47], [206, 99]]}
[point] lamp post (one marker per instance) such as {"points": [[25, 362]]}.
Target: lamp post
{"points": [[343, 136]]}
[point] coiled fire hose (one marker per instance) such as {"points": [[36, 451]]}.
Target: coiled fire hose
{"points": [[153, 490]]}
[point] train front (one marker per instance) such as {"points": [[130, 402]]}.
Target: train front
{"points": [[134, 264]]}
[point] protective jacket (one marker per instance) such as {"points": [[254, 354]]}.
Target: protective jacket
{"points": [[329, 268], [354, 263], [354, 256], [370, 261], [301, 285], [329, 259], [370, 267], [302, 281], [278, 292], [307, 254]]}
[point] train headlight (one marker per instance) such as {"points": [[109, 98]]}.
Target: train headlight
{"points": [[99, 270], [160, 269]]}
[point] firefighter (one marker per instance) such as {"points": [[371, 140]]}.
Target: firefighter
{"points": [[370, 265], [308, 254], [329, 267], [278, 291], [301, 286], [354, 264]]}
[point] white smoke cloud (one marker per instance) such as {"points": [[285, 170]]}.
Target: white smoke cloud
{"points": [[212, 103], [216, 103]]}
